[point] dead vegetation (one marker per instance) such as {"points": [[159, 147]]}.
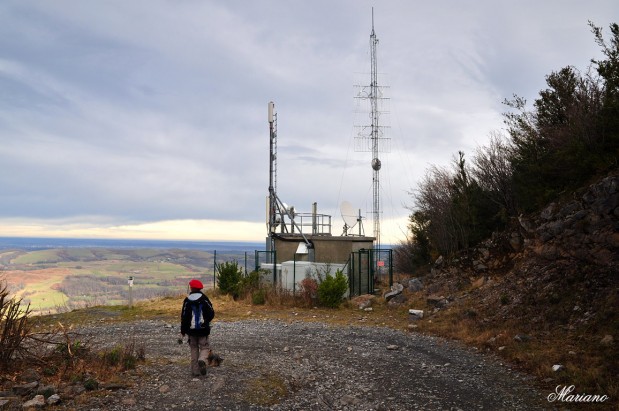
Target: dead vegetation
{"points": [[54, 352]]}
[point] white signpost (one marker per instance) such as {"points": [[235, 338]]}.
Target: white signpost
{"points": [[130, 281]]}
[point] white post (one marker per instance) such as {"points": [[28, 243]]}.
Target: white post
{"points": [[130, 280]]}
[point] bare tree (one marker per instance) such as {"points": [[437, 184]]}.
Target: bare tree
{"points": [[492, 169], [434, 199]]}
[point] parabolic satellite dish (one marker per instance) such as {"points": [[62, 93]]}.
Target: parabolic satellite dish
{"points": [[349, 215]]}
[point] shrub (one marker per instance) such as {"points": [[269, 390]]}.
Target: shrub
{"points": [[250, 283], [309, 291], [258, 297], [331, 290], [229, 280], [91, 384], [124, 356], [112, 357], [13, 324]]}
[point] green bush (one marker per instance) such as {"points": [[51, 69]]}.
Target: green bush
{"points": [[91, 384], [250, 283], [113, 356], [229, 279], [259, 296], [331, 289]]}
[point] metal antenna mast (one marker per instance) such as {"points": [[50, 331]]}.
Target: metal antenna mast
{"points": [[373, 142], [375, 161], [272, 212], [277, 211]]}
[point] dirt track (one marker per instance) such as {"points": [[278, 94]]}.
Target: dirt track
{"points": [[311, 366]]}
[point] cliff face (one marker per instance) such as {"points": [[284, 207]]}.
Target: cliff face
{"points": [[554, 271]]}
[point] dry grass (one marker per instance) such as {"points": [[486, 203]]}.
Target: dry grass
{"points": [[589, 365], [265, 390]]}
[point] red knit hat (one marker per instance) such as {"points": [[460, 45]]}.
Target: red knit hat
{"points": [[197, 284]]}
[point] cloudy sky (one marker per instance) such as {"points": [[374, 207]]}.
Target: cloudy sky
{"points": [[148, 119]]}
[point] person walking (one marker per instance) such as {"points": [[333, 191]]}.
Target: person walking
{"points": [[196, 316]]}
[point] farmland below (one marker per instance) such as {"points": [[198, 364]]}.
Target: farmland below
{"points": [[63, 279]]}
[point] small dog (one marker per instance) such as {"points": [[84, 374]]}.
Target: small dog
{"points": [[213, 359]]}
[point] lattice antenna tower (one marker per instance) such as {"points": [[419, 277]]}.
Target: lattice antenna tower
{"points": [[273, 209], [277, 212], [370, 138]]}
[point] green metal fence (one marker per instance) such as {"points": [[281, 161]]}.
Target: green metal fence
{"points": [[365, 268], [368, 266]]}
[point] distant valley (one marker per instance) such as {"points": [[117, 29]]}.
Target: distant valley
{"points": [[63, 279]]}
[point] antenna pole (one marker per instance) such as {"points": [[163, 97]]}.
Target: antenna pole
{"points": [[374, 135], [271, 223], [370, 137]]}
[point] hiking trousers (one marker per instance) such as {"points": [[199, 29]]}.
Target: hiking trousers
{"points": [[199, 351]]}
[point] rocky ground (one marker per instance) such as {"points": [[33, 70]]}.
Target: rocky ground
{"points": [[277, 365]]}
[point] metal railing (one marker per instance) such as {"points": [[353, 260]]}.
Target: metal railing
{"points": [[309, 223]]}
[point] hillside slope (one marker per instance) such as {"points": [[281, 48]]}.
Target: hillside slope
{"points": [[544, 292]]}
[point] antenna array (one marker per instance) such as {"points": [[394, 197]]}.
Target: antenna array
{"points": [[371, 137]]}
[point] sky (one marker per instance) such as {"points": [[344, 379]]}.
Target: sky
{"points": [[148, 118]]}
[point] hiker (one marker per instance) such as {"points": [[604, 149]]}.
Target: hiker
{"points": [[196, 316]]}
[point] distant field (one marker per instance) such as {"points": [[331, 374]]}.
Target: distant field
{"points": [[64, 279]]}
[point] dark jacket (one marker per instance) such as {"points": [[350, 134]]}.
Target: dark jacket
{"points": [[196, 315]]}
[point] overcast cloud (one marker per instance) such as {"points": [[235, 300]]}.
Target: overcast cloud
{"points": [[128, 113]]}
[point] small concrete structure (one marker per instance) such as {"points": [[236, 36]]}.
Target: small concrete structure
{"points": [[327, 248], [294, 261]]}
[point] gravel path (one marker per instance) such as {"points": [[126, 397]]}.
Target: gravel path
{"points": [[311, 366]]}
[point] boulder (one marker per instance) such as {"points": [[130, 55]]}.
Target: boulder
{"points": [[37, 402], [548, 212], [53, 399], [397, 300], [363, 301], [396, 289], [414, 284], [414, 315], [25, 389], [526, 225], [437, 301], [522, 338]]}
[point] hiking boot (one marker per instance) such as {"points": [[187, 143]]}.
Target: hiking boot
{"points": [[202, 366]]}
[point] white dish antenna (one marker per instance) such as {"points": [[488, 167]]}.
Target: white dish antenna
{"points": [[349, 215]]}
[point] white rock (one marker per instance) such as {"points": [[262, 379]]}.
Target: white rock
{"points": [[53, 399], [37, 402], [415, 314]]}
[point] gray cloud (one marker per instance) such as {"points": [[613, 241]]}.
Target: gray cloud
{"points": [[145, 111]]}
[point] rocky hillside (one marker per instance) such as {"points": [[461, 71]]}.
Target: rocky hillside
{"points": [[543, 293]]}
